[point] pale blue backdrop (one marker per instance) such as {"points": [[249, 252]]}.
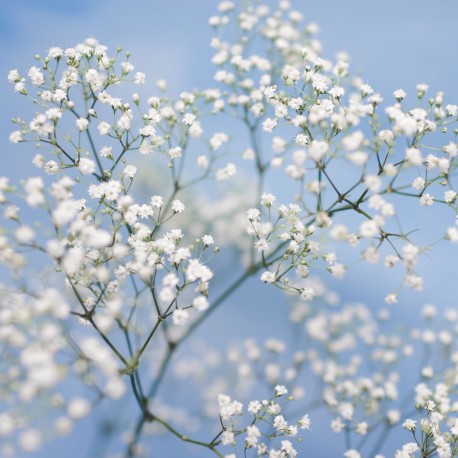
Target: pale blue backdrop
{"points": [[393, 44]]}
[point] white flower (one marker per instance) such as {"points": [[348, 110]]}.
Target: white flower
{"points": [[227, 438], [64, 212], [86, 166], [452, 234], [409, 424], [280, 390], [352, 453], [218, 139], [129, 171], [267, 199], [14, 76], [368, 228], [269, 124], [318, 149], [157, 201], [15, 137], [307, 294], [178, 206], [320, 82], [254, 407], [208, 240], [426, 200], [188, 119], [269, 92], [268, 277], [106, 151], [140, 78], [36, 76], [280, 423], [180, 317], [226, 172], [202, 162], [24, 234], [197, 271], [338, 270], [51, 167], [103, 128], [391, 298], [452, 110], [305, 422], [78, 408], [302, 140], [200, 303], [337, 92], [30, 440], [115, 388], [82, 124], [450, 196], [399, 94]]}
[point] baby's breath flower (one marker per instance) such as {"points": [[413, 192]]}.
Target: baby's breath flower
{"points": [[426, 200], [178, 206]]}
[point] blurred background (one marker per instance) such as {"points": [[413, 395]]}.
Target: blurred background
{"points": [[391, 44]]}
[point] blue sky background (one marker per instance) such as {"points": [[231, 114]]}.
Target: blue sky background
{"points": [[393, 44]]}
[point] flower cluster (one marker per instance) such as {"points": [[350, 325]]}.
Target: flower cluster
{"points": [[122, 267], [334, 137]]}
